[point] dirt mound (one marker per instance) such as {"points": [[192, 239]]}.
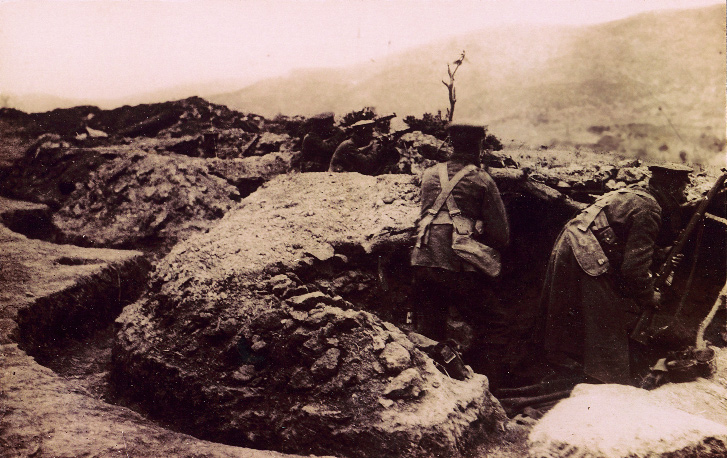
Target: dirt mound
{"points": [[44, 415], [248, 324], [613, 421], [139, 199], [51, 295]]}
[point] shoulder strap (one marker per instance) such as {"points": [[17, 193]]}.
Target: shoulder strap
{"points": [[594, 211], [427, 216], [447, 186], [639, 192]]}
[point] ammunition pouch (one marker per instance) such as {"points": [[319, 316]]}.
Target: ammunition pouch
{"points": [[485, 258], [477, 254]]}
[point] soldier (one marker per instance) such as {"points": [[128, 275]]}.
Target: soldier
{"points": [[319, 144], [360, 153], [599, 275], [442, 278]]}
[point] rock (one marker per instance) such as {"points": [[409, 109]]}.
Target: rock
{"points": [[270, 142], [406, 385], [306, 301], [631, 175], [322, 252], [379, 343], [422, 342], [628, 163], [293, 291], [386, 403], [244, 373], [612, 185], [301, 380], [326, 365], [615, 421], [395, 357], [269, 320]]}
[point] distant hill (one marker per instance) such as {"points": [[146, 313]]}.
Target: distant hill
{"points": [[649, 84], [33, 103]]}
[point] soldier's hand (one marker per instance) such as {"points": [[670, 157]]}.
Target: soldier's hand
{"points": [[655, 300], [676, 260]]}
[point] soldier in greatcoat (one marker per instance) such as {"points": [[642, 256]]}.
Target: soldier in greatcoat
{"points": [[599, 276]]}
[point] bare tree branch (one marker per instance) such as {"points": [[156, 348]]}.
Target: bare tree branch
{"points": [[450, 85]]}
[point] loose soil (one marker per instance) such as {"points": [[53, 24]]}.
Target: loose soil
{"points": [[58, 301]]}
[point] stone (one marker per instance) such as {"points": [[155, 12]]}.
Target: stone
{"points": [[631, 175], [306, 301], [406, 385], [628, 163], [301, 380], [280, 288], [395, 357], [321, 252], [379, 343], [612, 185], [386, 403], [326, 365], [269, 321], [244, 373], [422, 342], [613, 421]]}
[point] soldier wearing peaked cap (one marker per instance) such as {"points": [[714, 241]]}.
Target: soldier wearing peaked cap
{"points": [[320, 143], [457, 197], [599, 276], [360, 153]]}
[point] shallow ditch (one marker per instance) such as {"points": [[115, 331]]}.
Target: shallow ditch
{"points": [[77, 345]]}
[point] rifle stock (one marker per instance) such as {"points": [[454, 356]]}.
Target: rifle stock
{"points": [[663, 276]]}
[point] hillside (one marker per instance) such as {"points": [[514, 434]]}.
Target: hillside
{"points": [[652, 84]]}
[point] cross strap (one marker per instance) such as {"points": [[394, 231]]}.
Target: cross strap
{"points": [[447, 186], [427, 216]]}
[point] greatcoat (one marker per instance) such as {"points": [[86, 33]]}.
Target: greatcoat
{"points": [[597, 281]]}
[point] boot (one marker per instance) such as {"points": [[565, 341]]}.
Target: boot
{"points": [[450, 362]]}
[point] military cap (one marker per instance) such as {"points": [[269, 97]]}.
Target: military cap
{"points": [[363, 124], [325, 116], [466, 132], [671, 170]]}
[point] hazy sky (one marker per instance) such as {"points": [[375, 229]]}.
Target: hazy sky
{"points": [[108, 49]]}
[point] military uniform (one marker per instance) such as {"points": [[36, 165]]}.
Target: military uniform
{"points": [[442, 278], [349, 157], [361, 153], [599, 279], [319, 145], [316, 152]]}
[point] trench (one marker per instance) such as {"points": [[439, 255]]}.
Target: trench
{"points": [[77, 344]]}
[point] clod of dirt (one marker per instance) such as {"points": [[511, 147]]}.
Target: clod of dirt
{"points": [[233, 344]]}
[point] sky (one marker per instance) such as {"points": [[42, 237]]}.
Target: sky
{"points": [[109, 49]]}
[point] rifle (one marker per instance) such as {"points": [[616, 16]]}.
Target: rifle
{"points": [[665, 274], [385, 118]]}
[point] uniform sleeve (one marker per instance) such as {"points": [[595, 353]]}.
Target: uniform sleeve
{"points": [[639, 252], [341, 157], [496, 229], [312, 146]]}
